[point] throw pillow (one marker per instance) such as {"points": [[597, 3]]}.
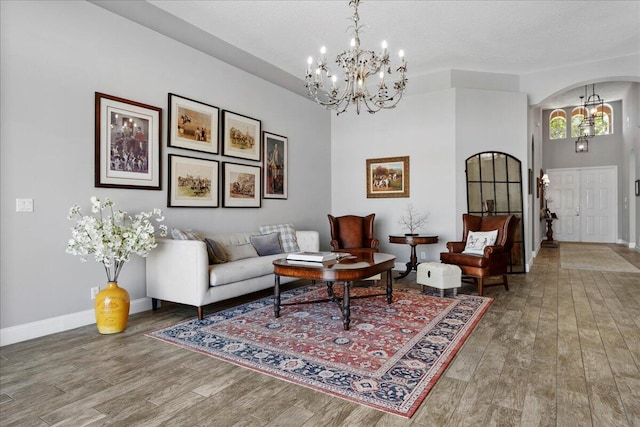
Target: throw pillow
{"points": [[236, 252], [216, 252], [267, 244], [477, 240], [288, 240], [178, 234]]}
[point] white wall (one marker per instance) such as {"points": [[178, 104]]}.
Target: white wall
{"points": [[489, 120], [439, 131], [54, 56], [420, 128], [631, 155]]}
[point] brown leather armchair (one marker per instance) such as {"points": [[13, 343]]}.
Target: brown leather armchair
{"points": [[351, 232], [495, 260]]}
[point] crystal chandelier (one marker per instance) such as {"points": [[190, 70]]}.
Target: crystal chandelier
{"points": [[358, 68]]}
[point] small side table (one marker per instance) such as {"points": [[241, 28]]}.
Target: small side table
{"points": [[549, 242], [412, 241]]}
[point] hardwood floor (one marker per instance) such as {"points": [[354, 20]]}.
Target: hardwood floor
{"points": [[561, 348]]}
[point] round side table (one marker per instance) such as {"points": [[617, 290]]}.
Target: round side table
{"points": [[412, 241]]}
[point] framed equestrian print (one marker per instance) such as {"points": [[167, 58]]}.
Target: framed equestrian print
{"points": [[193, 125], [388, 177]]}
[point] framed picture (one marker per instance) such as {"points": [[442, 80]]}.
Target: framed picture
{"points": [[241, 187], [192, 182], [193, 125], [388, 177], [275, 168], [241, 136], [637, 187], [127, 151]]}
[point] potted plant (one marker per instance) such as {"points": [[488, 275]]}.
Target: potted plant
{"points": [[111, 239], [412, 220]]}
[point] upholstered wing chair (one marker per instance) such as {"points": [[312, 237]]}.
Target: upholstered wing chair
{"points": [[351, 232], [494, 259]]}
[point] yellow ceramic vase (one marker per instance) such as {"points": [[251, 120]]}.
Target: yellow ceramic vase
{"points": [[112, 309]]}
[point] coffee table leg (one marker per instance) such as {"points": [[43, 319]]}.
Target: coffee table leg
{"points": [[330, 289], [389, 287], [346, 311], [276, 296]]}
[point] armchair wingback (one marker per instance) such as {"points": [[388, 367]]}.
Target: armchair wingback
{"points": [[495, 258], [353, 232]]}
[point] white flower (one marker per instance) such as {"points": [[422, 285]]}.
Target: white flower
{"points": [[113, 239]]}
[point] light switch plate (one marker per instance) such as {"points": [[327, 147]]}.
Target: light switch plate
{"points": [[24, 205]]}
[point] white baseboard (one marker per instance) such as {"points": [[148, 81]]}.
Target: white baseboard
{"points": [[27, 331]]}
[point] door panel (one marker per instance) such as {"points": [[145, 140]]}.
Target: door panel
{"points": [[564, 201], [599, 216], [585, 201]]}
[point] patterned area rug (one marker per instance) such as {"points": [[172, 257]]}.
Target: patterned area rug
{"points": [[582, 256], [389, 359]]}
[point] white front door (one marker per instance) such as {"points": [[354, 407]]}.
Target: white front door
{"points": [[586, 203], [598, 217], [564, 201]]}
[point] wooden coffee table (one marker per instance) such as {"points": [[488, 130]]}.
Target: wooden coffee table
{"points": [[358, 267]]}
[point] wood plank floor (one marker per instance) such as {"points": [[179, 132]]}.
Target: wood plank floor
{"points": [[561, 348]]}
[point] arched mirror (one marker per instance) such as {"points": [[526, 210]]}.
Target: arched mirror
{"points": [[494, 187]]}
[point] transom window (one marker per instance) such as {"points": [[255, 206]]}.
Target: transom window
{"points": [[558, 124], [603, 123], [577, 117]]}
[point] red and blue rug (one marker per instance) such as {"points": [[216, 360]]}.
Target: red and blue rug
{"points": [[389, 359]]}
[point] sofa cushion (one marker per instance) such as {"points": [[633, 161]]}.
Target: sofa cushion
{"points": [[243, 269], [238, 252], [214, 258], [477, 240], [288, 240], [216, 252], [267, 244], [178, 234]]}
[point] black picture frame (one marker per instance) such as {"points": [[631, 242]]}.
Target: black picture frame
{"points": [[193, 182], [275, 167], [241, 185], [193, 125], [241, 136]]}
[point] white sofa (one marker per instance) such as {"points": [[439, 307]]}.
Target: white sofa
{"points": [[179, 270]]}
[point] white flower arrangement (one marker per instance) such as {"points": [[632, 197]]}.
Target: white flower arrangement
{"points": [[113, 239]]}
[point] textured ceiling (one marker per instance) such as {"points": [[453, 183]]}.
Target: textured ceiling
{"points": [[513, 37]]}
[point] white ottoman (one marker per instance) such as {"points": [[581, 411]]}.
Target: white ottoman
{"points": [[438, 275]]}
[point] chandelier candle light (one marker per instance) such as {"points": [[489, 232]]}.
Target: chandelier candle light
{"points": [[358, 67]]}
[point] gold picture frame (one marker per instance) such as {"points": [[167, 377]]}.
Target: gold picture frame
{"points": [[388, 177]]}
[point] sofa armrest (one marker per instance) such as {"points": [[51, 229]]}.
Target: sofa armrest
{"points": [[308, 241], [456, 247], [178, 271]]}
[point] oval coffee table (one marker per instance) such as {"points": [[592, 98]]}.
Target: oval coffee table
{"points": [[347, 270]]}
